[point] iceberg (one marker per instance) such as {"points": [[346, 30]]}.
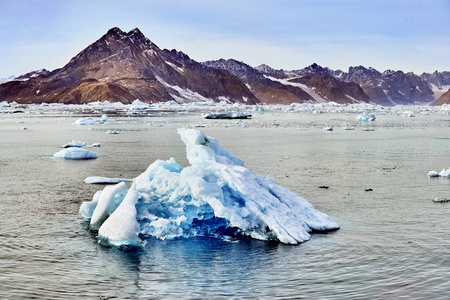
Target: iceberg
{"points": [[98, 179], [443, 173], [85, 121], [215, 196], [365, 117], [74, 144], [76, 153], [228, 115]]}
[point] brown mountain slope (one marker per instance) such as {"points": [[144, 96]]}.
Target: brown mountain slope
{"points": [[124, 66], [444, 99]]}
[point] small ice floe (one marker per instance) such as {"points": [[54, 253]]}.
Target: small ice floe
{"points": [[443, 173], [348, 128], [76, 153], [328, 129], [228, 115], [368, 129], [113, 132], [215, 196], [85, 121], [103, 119], [441, 200], [74, 144], [91, 121], [365, 117], [95, 145], [24, 128], [98, 179]]}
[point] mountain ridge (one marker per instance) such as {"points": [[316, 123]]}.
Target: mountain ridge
{"points": [[124, 66]]}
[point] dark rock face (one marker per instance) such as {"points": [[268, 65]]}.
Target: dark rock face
{"points": [[325, 82], [124, 66], [333, 89], [390, 87], [266, 90]]}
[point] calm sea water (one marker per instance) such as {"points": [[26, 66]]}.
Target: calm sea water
{"points": [[393, 242]]}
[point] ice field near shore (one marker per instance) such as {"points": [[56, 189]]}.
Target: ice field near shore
{"points": [[370, 177]]}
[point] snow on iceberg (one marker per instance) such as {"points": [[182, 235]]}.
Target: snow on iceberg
{"points": [[76, 153], [215, 195]]}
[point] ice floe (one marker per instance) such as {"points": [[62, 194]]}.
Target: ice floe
{"points": [[441, 200], [99, 179], [76, 153], [443, 173], [366, 117], [215, 195], [74, 144], [228, 115]]}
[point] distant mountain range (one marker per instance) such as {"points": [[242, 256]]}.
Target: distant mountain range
{"points": [[124, 66]]}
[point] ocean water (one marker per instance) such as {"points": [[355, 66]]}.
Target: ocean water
{"points": [[393, 242]]}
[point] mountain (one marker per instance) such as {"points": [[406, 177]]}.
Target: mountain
{"points": [[333, 89], [320, 83], [123, 67], [438, 81], [390, 87], [268, 91], [444, 99]]}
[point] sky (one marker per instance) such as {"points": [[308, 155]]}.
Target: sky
{"points": [[408, 35]]}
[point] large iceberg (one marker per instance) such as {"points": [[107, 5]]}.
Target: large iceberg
{"points": [[216, 195]]}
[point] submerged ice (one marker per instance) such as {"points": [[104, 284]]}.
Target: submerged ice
{"points": [[215, 195]]}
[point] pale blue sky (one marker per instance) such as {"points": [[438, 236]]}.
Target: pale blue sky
{"points": [[410, 35]]}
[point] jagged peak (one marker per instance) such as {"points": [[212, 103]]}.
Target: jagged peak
{"points": [[115, 31], [136, 33]]}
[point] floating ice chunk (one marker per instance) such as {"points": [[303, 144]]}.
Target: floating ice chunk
{"points": [[348, 128], [328, 129], [103, 119], [443, 173], [85, 121], [95, 145], [74, 144], [113, 132], [229, 115], [98, 179], [76, 153], [216, 195], [365, 117], [441, 199]]}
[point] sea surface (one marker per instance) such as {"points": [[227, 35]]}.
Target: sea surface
{"points": [[394, 241]]}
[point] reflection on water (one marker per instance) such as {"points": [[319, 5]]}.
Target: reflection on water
{"points": [[393, 242]]}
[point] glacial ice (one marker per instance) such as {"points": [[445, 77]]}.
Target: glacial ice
{"points": [[365, 117], [75, 153], [99, 179], [228, 115], [443, 173], [216, 195], [85, 121], [74, 144]]}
